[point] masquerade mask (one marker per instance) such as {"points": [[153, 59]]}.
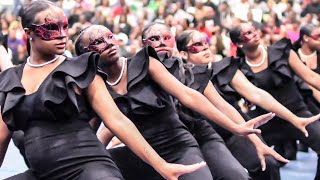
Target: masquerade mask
{"points": [[156, 40], [315, 36], [247, 35], [198, 45], [51, 29], [100, 44]]}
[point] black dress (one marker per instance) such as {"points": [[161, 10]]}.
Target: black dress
{"points": [[59, 143], [278, 80], [152, 111], [241, 148], [306, 92], [221, 162]]}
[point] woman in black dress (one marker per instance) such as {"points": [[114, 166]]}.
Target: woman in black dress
{"points": [[308, 49], [140, 86], [231, 83], [216, 154], [273, 69], [52, 98]]}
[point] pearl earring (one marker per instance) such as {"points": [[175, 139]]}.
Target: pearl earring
{"points": [[30, 39], [240, 46]]}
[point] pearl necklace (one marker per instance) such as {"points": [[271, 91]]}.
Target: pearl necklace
{"points": [[304, 56], [121, 73], [264, 53], [43, 64]]}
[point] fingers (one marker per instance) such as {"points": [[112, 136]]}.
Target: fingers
{"points": [[278, 157], [263, 162], [260, 120], [193, 167], [314, 118], [305, 132]]}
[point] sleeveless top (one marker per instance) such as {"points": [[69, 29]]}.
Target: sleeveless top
{"points": [[278, 78], [55, 100], [151, 108]]}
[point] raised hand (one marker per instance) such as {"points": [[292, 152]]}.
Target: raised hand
{"points": [[249, 126], [173, 171], [301, 123], [264, 150]]}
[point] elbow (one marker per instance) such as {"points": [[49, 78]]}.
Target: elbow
{"points": [[188, 98], [257, 96]]}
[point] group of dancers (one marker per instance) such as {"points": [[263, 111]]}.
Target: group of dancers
{"points": [[177, 116]]}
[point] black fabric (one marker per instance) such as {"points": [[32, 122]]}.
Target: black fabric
{"points": [[278, 80], [58, 140], [223, 73], [312, 104], [151, 109], [219, 159]]}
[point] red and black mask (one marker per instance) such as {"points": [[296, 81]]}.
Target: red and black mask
{"points": [[52, 28], [100, 42], [160, 40], [315, 36], [198, 45], [248, 34]]}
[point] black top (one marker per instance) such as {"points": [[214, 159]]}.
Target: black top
{"points": [[278, 78], [58, 139], [55, 100], [151, 108], [223, 73]]}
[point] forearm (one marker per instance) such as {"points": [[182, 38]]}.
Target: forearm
{"points": [[230, 112], [202, 105], [4, 139], [132, 138], [269, 103]]}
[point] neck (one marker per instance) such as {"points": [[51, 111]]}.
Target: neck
{"points": [[306, 50], [252, 52], [113, 69], [37, 58]]}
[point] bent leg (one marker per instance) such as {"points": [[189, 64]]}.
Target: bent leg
{"points": [[244, 151]]}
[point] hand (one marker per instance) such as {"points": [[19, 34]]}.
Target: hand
{"points": [[301, 123], [264, 150], [173, 171], [249, 127]]}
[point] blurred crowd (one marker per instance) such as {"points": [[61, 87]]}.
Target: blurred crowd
{"points": [[274, 19]]}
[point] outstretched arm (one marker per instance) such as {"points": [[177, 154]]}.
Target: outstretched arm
{"points": [[310, 77], [5, 136], [102, 102], [262, 150], [263, 99], [193, 99]]}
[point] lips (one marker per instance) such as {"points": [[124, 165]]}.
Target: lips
{"points": [[112, 51], [61, 45], [161, 49]]}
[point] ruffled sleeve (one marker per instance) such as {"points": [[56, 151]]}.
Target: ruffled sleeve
{"points": [[78, 71], [175, 66], [56, 95], [223, 73], [198, 77], [138, 67], [278, 58], [11, 91]]}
